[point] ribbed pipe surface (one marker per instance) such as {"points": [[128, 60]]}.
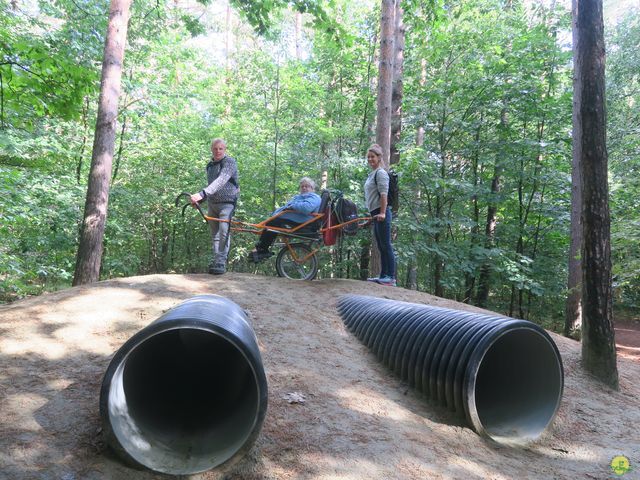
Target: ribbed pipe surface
{"points": [[504, 375], [188, 392]]}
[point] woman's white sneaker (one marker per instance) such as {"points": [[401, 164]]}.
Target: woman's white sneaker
{"points": [[388, 281]]}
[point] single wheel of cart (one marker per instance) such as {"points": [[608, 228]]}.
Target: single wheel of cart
{"points": [[297, 261]]}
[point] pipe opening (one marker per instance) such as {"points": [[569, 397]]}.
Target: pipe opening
{"points": [[518, 386], [184, 401]]}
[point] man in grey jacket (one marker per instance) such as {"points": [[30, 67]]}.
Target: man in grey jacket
{"points": [[222, 196]]}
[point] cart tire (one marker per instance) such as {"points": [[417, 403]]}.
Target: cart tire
{"points": [[287, 267]]}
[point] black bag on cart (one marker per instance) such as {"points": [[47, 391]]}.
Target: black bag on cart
{"points": [[345, 211]]}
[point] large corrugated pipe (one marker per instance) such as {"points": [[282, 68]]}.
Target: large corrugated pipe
{"points": [[188, 392], [504, 375]]}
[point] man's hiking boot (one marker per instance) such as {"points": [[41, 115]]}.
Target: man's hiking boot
{"points": [[259, 255]]}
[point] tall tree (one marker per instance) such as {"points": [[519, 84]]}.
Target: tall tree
{"points": [[589, 133], [623, 146], [385, 91], [573, 308], [484, 280], [298, 36], [89, 255], [396, 94], [573, 303], [228, 36], [491, 223], [385, 78]]}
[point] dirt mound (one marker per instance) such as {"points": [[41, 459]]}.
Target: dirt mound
{"points": [[357, 421]]}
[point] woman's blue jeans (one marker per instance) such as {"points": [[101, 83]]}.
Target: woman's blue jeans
{"points": [[382, 234]]}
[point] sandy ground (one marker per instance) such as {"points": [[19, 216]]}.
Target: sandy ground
{"points": [[628, 338], [358, 420]]}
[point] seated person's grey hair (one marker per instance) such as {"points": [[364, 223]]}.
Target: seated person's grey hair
{"points": [[309, 181]]}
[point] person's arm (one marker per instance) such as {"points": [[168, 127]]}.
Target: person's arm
{"points": [[226, 172], [383, 190], [304, 203], [383, 208]]}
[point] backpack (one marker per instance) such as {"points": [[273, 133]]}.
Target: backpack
{"points": [[345, 211], [393, 196]]}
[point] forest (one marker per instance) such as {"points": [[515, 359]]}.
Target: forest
{"points": [[483, 144]]}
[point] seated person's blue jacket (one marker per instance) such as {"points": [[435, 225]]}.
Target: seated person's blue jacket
{"points": [[304, 204]]}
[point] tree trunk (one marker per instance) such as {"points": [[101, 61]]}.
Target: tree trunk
{"points": [[385, 78], [375, 264], [397, 86], [228, 46], [490, 227], [598, 342], [412, 275], [364, 259], [383, 116], [85, 115], [412, 264], [120, 148], [420, 132], [276, 140], [573, 307], [536, 241], [438, 262], [89, 255], [298, 36], [470, 278], [228, 38], [365, 128]]}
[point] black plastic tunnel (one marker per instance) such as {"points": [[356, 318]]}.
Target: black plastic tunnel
{"points": [[504, 375], [188, 392]]}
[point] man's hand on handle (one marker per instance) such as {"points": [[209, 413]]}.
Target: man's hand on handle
{"points": [[195, 198]]}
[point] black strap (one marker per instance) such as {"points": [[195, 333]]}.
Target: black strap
{"points": [[375, 178]]}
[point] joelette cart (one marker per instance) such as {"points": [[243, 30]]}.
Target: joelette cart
{"points": [[297, 258]]}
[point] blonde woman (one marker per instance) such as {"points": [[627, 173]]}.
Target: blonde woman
{"points": [[376, 190]]}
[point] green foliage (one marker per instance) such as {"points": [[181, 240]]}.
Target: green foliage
{"points": [[623, 96], [43, 71], [260, 14], [37, 232], [489, 87]]}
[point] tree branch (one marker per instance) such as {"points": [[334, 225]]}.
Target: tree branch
{"points": [[87, 14], [150, 11], [132, 102], [1, 101], [120, 148]]}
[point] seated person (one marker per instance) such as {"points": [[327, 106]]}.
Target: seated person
{"points": [[302, 205]]}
